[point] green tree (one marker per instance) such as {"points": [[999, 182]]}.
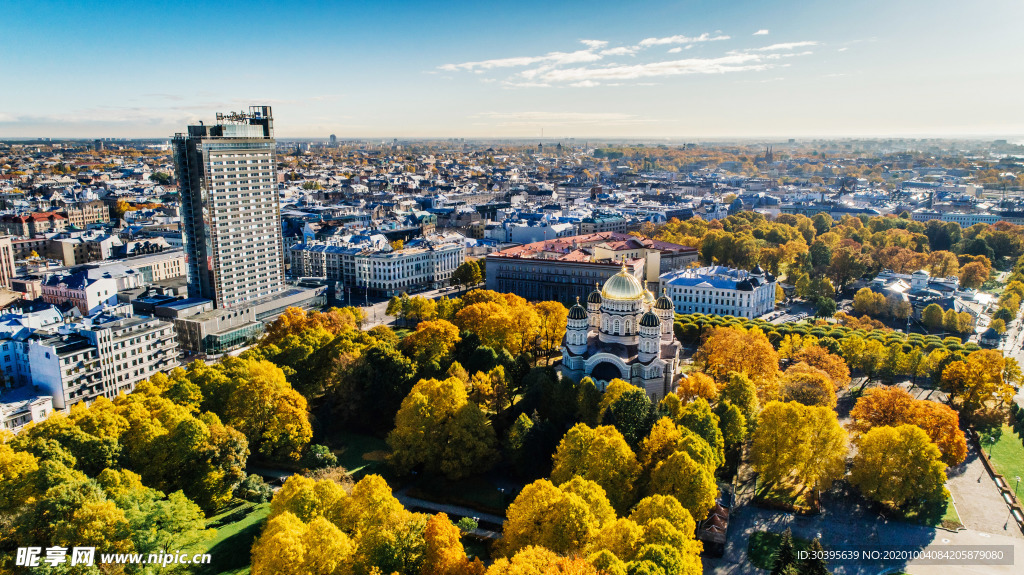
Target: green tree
{"points": [[814, 563], [698, 417], [632, 414], [785, 557], [370, 392]]}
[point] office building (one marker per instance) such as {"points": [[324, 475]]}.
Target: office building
{"points": [[231, 215]]}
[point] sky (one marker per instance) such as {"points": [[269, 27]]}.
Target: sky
{"points": [[558, 68]]}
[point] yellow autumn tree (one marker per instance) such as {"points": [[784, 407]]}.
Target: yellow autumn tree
{"points": [[691, 483], [431, 342], [898, 465], [444, 553], [798, 443], [288, 546], [697, 384], [562, 518], [830, 363], [977, 382], [272, 415], [437, 427], [733, 349], [601, 455], [808, 385]]}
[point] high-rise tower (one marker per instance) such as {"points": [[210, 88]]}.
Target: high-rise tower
{"points": [[227, 176]]}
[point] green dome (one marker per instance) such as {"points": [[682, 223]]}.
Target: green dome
{"points": [[664, 302], [623, 286], [650, 320], [577, 311]]}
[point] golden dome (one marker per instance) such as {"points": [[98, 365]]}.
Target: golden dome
{"points": [[648, 297], [623, 286]]}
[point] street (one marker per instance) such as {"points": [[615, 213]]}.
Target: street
{"points": [[376, 314]]}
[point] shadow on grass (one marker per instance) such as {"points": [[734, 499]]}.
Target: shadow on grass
{"points": [[237, 529], [932, 514]]}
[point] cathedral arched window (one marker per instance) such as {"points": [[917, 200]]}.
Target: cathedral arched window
{"points": [[629, 326], [618, 328]]}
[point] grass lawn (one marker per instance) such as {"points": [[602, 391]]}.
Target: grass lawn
{"points": [[763, 545], [359, 454], [1008, 456], [935, 515], [237, 528]]}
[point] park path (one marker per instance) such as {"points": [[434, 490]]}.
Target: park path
{"points": [[454, 512], [977, 498], [844, 526]]}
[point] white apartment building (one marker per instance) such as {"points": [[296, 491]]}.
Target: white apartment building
{"points": [[15, 331], [394, 272], [719, 290], [103, 355], [22, 406], [965, 219]]}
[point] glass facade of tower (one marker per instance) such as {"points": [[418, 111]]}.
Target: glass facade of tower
{"points": [[231, 216]]}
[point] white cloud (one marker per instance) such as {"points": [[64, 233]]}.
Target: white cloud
{"points": [[508, 84], [680, 39], [581, 68], [785, 46], [722, 65], [619, 51], [576, 57], [761, 32], [843, 49]]}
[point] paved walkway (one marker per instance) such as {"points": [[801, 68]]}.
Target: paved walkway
{"points": [[977, 498], [843, 525], [453, 511]]}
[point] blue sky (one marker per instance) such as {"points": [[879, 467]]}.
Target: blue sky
{"points": [[684, 69]]}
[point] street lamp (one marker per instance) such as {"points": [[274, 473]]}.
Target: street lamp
{"points": [[1015, 487]]}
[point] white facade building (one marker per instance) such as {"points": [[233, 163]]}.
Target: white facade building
{"points": [[103, 355], [719, 290], [391, 273], [22, 406]]}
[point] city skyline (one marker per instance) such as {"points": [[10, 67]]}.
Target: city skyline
{"points": [[671, 70]]}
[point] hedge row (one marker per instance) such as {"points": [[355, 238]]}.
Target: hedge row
{"points": [[688, 329]]}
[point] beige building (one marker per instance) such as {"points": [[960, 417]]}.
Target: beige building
{"points": [[6, 262], [81, 214]]}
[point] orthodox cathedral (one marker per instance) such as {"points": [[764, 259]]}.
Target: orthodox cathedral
{"points": [[623, 333]]}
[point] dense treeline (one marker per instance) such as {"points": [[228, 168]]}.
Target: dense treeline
{"points": [[801, 248]]}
